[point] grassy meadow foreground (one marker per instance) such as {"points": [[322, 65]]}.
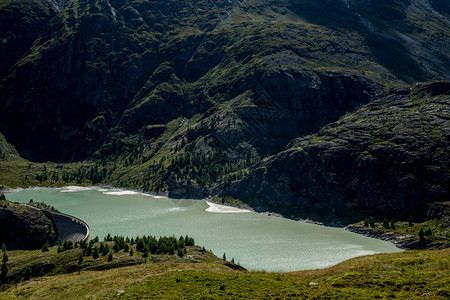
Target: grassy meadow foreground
{"points": [[201, 275]]}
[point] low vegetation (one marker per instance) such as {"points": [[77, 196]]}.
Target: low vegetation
{"points": [[407, 275], [113, 252], [430, 234]]}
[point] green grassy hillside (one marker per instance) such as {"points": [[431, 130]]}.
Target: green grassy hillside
{"points": [[407, 275]]}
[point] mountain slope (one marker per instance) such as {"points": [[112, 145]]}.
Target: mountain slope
{"points": [[186, 96], [22, 22], [101, 72], [24, 227], [388, 159]]}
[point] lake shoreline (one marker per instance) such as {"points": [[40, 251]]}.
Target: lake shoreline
{"points": [[216, 207], [75, 188], [401, 242], [276, 215]]}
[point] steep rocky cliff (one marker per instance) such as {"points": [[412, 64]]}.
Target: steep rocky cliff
{"points": [[24, 227], [388, 159], [22, 22], [7, 151], [95, 74]]}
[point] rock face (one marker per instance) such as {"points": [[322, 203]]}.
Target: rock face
{"points": [[388, 159], [183, 190], [440, 211], [92, 75], [7, 151], [24, 227], [22, 22]]}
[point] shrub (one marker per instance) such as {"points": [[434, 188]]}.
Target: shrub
{"points": [[27, 273], [45, 247]]}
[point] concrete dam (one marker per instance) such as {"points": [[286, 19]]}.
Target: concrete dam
{"points": [[69, 227]]}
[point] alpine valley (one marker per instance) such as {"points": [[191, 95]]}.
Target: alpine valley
{"points": [[334, 110], [231, 98]]}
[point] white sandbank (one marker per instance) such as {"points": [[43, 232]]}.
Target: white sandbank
{"points": [[73, 189], [120, 192], [104, 191], [123, 192], [223, 209]]}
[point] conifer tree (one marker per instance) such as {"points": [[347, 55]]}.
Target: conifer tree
{"points": [[4, 272], [372, 222], [45, 247], [146, 252], [180, 252], [105, 250], [95, 253], [386, 223], [392, 224], [89, 249], [421, 236]]}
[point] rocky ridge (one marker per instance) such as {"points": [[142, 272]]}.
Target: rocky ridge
{"points": [[388, 159], [25, 227], [100, 75]]}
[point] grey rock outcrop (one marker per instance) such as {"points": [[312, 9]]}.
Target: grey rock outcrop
{"points": [[24, 227], [388, 159]]}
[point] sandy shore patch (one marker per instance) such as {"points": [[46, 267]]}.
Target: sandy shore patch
{"points": [[223, 209], [73, 189]]}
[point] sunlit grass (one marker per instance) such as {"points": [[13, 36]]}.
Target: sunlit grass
{"points": [[406, 275]]}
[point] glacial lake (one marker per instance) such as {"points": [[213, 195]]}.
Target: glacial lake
{"points": [[256, 241]]}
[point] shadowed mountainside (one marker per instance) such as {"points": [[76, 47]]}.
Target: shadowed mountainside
{"points": [[100, 74], [388, 159], [24, 227]]}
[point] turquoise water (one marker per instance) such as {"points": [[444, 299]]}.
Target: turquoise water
{"points": [[256, 241]]}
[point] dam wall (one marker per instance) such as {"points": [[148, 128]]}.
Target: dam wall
{"points": [[69, 227]]}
